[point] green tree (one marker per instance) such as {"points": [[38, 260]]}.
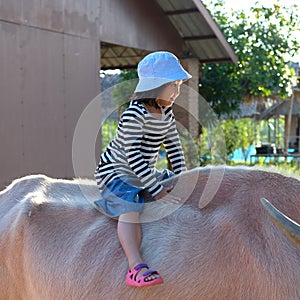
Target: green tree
{"points": [[263, 41], [109, 130], [239, 133]]}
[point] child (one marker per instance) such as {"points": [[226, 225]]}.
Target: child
{"points": [[127, 167]]}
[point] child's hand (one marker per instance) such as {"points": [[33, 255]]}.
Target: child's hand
{"points": [[165, 196]]}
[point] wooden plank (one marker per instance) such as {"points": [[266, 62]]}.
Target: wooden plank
{"points": [[43, 108], [11, 138]]}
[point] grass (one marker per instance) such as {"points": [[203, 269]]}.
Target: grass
{"points": [[285, 168]]}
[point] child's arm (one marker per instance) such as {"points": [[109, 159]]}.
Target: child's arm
{"points": [[174, 150], [166, 196]]}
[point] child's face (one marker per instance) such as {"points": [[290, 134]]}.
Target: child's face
{"points": [[169, 93]]}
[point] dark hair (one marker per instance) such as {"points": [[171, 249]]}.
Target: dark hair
{"points": [[149, 97], [149, 102]]}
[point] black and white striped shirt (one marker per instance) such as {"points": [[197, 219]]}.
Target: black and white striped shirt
{"points": [[134, 150]]}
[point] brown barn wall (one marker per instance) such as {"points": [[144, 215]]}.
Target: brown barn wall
{"points": [[11, 137], [74, 17], [47, 77]]}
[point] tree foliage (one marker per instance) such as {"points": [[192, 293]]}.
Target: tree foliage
{"points": [[264, 41], [239, 133]]}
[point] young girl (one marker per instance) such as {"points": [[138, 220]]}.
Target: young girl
{"points": [[127, 167]]}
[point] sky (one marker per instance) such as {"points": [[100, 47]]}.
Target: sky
{"points": [[247, 4]]}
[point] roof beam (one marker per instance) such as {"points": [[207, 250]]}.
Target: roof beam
{"points": [[200, 37], [124, 67], [181, 11], [214, 27], [215, 60]]}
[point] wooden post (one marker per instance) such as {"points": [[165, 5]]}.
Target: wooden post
{"points": [[289, 120]]}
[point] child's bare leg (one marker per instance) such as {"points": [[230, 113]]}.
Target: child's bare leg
{"points": [[129, 232], [130, 235]]}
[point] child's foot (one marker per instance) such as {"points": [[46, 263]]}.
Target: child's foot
{"points": [[140, 276]]}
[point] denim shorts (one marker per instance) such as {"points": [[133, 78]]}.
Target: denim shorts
{"points": [[124, 194]]}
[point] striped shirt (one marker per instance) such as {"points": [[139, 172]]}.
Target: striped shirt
{"points": [[134, 150]]}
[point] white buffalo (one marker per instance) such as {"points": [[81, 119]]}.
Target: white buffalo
{"points": [[54, 245]]}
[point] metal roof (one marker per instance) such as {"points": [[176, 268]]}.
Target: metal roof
{"points": [[201, 35]]}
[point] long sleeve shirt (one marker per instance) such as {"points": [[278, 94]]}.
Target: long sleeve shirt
{"points": [[134, 150]]}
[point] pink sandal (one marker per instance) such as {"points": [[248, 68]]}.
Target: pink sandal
{"points": [[132, 280]]}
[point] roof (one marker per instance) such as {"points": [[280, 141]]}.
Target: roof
{"points": [[271, 111], [281, 108], [201, 35]]}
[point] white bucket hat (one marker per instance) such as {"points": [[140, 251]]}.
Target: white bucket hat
{"points": [[158, 68]]}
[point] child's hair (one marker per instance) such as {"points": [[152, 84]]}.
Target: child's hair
{"points": [[150, 102], [149, 97]]}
